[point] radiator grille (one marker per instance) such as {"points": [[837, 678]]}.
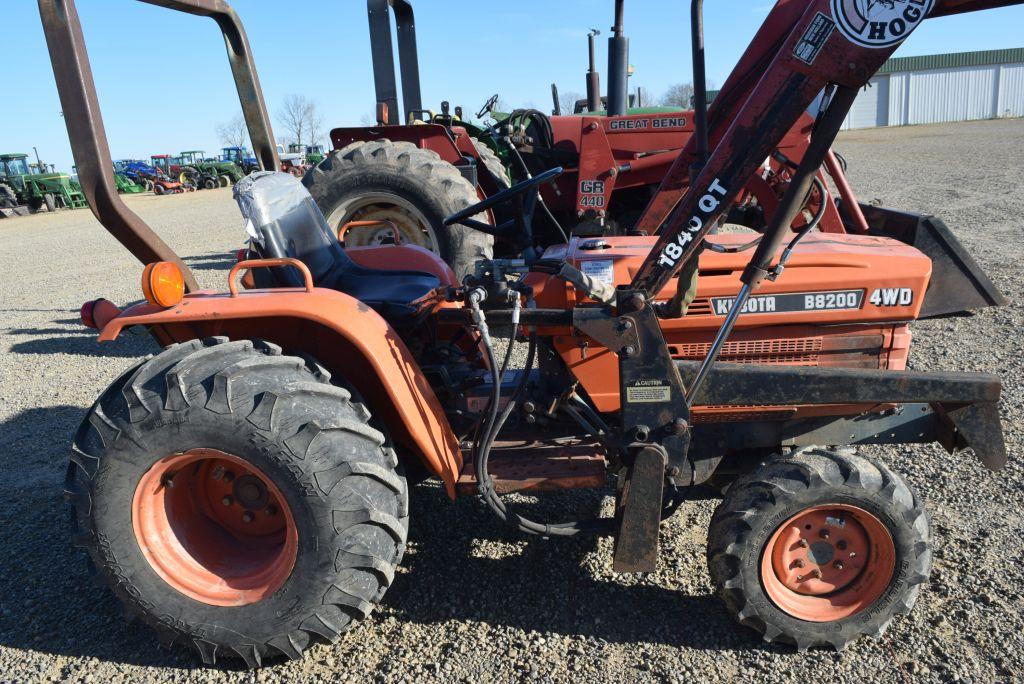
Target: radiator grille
{"points": [[797, 351]]}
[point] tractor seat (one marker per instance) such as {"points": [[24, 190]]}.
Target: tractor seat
{"points": [[283, 221]]}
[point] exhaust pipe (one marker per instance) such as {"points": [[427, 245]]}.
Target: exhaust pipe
{"points": [[618, 65], [593, 77]]}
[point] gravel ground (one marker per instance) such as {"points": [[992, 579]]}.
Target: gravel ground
{"points": [[471, 603]]}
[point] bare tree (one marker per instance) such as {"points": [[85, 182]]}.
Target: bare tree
{"points": [[233, 133], [316, 127], [567, 100], [678, 95], [300, 119]]}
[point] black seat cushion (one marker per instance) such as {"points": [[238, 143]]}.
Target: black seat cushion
{"points": [[284, 221]]}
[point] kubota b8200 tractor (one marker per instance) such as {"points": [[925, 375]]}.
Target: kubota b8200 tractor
{"points": [[246, 490]]}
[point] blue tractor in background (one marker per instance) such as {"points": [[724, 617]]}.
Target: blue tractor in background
{"points": [[241, 157]]}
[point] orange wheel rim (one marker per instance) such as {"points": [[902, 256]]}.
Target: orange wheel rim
{"points": [[214, 527], [828, 562]]}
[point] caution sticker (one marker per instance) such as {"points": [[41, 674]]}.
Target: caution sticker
{"points": [[649, 392]]}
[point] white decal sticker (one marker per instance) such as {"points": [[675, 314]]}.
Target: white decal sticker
{"points": [[649, 392], [879, 23], [794, 302], [709, 202], [892, 296], [592, 193], [601, 270]]}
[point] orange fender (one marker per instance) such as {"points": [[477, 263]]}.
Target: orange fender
{"points": [[341, 332]]}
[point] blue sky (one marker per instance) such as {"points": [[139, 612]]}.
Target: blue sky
{"points": [[164, 82]]}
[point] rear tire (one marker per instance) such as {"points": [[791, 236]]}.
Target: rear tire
{"points": [[210, 184], [281, 419], [8, 198], [50, 201], [411, 186], [866, 536]]}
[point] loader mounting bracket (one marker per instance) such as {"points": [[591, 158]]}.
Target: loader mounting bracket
{"points": [[654, 409]]}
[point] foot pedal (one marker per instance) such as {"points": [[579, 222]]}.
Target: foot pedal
{"points": [[636, 541]]}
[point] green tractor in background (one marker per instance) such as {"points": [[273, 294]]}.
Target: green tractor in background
{"points": [[126, 186], [32, 186], [314, 154], [207, 173]]}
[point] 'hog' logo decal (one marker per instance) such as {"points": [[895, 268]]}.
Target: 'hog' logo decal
{"points": [[879, 23]]}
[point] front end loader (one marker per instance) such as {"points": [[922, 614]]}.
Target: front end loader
{"points": [[245, 491], [615, 160]]}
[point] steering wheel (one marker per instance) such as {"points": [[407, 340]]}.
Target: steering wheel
{"points": [[519, 229], [488, 106]]}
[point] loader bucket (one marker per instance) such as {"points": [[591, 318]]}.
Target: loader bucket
{"points": [[958, 283]]}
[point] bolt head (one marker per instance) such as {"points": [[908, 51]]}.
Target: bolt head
{"points": [[227, 501], [798, 563], [802, 544], [838, 565], [824, 534], [628, 350], [247, 517]]}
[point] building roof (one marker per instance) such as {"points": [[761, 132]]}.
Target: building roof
{"points": [[951, 60]]}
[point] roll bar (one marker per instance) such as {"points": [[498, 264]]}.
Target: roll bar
{"points": [[77, 90], [385, 86]]}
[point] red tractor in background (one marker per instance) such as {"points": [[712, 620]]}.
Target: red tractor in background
{"points": [[411, 171]]}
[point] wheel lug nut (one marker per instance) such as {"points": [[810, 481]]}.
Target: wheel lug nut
{"points": [[838, 565], [247, 517], [227, 501], [824, 533], [815, 574], [853, 554]]}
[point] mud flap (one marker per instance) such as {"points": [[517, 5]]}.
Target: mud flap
{"points": [[958, 283]]}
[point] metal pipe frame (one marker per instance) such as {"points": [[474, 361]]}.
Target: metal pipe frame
{"points": [[77, 90]]}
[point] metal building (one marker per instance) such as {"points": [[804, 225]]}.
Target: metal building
{"points": [[959, 86]]}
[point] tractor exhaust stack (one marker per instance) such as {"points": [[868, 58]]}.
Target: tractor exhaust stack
{"points": [[618, 65], [593, 76]]}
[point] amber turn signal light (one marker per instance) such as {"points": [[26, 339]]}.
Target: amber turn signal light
{"points": [[162, 284]]}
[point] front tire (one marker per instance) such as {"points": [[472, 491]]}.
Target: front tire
{"points": [[412, 187], [237, 501], [819, 548]]}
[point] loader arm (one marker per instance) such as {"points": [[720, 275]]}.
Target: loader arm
{"points": [[799, 50], [799, 53]]}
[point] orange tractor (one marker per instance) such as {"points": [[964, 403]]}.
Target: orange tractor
{"points": [[246, 491]]}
